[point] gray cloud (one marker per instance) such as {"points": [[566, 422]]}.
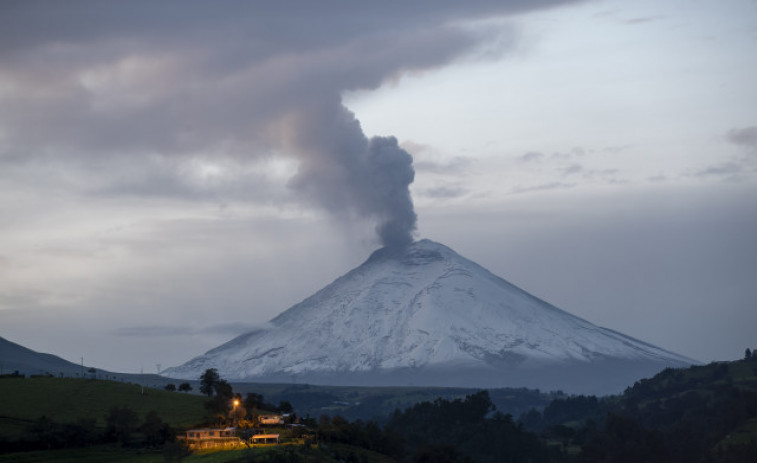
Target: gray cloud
{"points": [[532, 156], [571, 169], [728, 171], [456, 166], [745, 137], [24, 298], [641, 20], [233, 329], [609, 176], [152, 331], [97, 81], [224, 329], [739, 167], [616, 149], [542, 187], [538, 156], [608, 171], [445, 192], [572, 153]]}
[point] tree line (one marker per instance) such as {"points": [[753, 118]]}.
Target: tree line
{"points": [[700, 414], [122, 426], [680, 415]]}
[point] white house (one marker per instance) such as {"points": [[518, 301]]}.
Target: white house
{"points": [[271, 420], [204, 438]]}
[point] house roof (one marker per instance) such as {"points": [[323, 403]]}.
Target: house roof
{"points": [[211, 429]]}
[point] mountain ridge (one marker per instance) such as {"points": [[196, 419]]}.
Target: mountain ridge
{"points": [[17, 358]]}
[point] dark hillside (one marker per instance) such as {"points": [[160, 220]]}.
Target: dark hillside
{"points": [[702, 413]]}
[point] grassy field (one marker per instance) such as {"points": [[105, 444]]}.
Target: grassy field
{"points": [[114, 454], [86, 455], [65, 400]]}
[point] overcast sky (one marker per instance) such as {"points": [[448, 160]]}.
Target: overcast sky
{"points": [[175, 173]]}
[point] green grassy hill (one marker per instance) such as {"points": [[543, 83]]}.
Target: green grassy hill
{"points": [[65, 400]]}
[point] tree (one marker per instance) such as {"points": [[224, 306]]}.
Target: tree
{"points": [[170, 387], [185, 387], [223, 389], [44, 431], [208, 381], [624, 440], [120, 424], [81, 433], [747, 354], [218, 408], [253, 401], [156, 431], [439, 453], [285, 407], [220, 405]]}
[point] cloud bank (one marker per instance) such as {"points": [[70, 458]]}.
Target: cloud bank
{"points": [[92, 86]]}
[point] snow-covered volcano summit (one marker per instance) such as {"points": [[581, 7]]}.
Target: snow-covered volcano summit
{"points": [[424, 315]]}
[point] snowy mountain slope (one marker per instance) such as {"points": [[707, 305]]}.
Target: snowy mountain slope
{"points": [[424, 315]]}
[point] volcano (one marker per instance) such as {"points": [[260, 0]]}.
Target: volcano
{"points": [[422, 315]]}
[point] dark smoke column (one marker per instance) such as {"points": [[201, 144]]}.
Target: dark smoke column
{"points": [[392, 173], [352, 176]]}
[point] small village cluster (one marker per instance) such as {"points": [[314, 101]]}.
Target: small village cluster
{"points": [[205, 438]]}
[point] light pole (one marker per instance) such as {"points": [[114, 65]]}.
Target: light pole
{"points": [[234, 414]]}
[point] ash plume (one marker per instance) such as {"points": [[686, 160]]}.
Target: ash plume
{"points": [[353, 176], [391, 169]]}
